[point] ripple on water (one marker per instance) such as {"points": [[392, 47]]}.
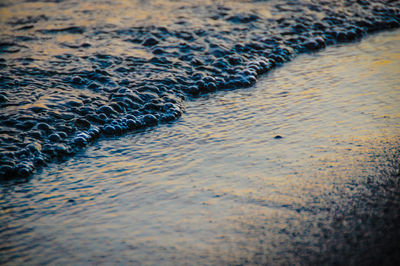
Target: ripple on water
{"points": [[217, 186], [82, 71]]}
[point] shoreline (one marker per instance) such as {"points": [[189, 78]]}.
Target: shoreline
{"points": [[71, 108], [216, 185]]}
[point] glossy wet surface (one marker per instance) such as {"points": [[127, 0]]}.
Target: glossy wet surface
{"points": [[219, 185], [74, 71]]}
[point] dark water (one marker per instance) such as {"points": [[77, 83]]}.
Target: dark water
{"points": [[72, 71], [218, 187]]}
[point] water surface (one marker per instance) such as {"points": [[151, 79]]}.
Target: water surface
{"points": [[74, 71], [218, 185]]}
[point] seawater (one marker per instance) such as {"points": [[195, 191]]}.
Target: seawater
{"points": [[76, 71], [218, 186]]}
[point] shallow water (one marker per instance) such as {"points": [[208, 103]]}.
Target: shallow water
{"points": [[74, 71], [217, 186]]}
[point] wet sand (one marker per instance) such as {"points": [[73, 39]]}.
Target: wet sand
{"points": [[218, 187]]}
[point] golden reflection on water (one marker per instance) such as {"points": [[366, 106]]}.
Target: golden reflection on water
{"points": [[216, 184]]}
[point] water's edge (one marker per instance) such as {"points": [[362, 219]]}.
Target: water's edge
{"points": [[39, 132], [216, 186]]}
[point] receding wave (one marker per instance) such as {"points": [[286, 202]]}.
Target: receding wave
{"points": [[71, 73]]}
